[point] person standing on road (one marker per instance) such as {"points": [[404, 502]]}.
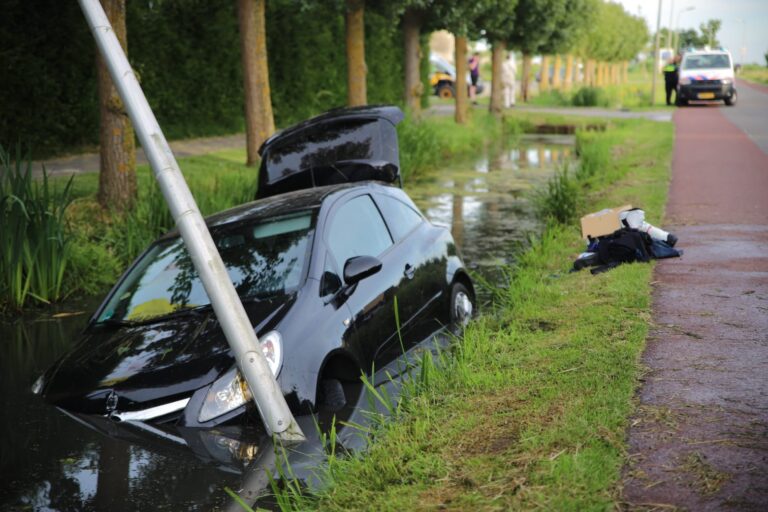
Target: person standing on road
{"points": [[474, 75], [671, 72], [508, 74]]}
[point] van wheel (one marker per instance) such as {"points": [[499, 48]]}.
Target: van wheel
{"points": [[732, 100]]}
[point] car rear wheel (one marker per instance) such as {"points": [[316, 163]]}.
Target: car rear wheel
{"points": [[462, 306]]}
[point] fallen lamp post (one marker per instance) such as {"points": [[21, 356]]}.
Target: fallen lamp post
{"points": [[226, 304]]}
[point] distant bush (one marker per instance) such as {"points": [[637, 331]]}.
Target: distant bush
{"points": [[590, 97], [551, 97]]}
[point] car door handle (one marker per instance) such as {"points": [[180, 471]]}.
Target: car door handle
{"points": [[409, 271]]}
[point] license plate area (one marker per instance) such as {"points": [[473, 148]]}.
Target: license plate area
{"points": [[706, 95]]}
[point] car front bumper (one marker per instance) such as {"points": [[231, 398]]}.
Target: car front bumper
{"points": [[705, 90]]}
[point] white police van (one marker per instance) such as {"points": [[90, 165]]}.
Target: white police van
{"points": [[706, 75]]}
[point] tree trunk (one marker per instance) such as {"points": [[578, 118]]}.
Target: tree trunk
{"points": [[589, 74], [544, 74], [413, 85], [568, 79], [556, 81], [356, 70], [117, 146], [525, 80], [600, 74], [497, 58], [259, 121], [626, 72], [461, 79]]}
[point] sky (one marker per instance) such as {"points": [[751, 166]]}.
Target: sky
{"points": [[745, 22]]}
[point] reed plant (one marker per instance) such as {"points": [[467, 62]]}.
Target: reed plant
{"points": [[559, 200], [34, 243]]}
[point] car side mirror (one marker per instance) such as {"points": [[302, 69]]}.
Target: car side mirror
{"points": [[359, 267]]}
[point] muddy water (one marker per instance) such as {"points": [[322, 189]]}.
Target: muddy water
{"points": [[50, 461]]}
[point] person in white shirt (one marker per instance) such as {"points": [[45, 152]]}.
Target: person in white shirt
{"points": [[508, 72]]}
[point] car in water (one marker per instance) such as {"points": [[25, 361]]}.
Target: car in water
{"points": [[338, 270], [706, 75]]}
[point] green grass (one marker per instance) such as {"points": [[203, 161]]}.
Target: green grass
{"points": [[530, 411], [34, 245], [754, 73]]}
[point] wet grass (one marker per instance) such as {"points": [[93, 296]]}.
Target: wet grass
{"points": [[530, 410]]}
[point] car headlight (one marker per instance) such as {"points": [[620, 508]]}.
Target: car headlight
{"points": [[230, 391], [685, 81], [725, 81]]}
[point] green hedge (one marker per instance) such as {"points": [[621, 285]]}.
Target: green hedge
{"points": [[187, 56]]}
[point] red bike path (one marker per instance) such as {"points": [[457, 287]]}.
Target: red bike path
{"points": [[699, 439]]}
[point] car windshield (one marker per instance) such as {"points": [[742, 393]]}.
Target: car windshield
{"points": [[707, 61], [262, 259]]}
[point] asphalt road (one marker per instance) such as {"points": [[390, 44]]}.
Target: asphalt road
{"points": [[699, 440]]}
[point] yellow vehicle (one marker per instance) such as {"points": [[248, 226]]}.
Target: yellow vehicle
{"points": [[442, 83], [441, 77]]}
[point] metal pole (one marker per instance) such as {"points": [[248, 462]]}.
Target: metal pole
{"points": [[206, 259], [656, 57]]}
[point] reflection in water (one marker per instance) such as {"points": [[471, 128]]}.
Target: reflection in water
{"points": [[51, 461], [486, 205]]}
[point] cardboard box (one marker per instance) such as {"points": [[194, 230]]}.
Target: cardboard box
{"points": [[603, 222]]}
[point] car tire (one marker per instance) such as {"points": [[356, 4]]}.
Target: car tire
{"points": [[732, 100], [445, 91], [462, 306], [681, 102], [334, 397]]}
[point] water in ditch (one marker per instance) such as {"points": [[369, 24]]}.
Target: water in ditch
{"points": [[50, 461]]}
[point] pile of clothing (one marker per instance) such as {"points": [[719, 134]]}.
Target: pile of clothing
{"points": [[636, 240]]}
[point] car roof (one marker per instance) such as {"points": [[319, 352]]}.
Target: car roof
{"points": [[286, 203]]}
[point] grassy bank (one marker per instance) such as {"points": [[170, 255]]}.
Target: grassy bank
{"points": [[754, 73], [530, 411]]}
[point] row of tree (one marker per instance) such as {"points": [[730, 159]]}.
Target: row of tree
{"points": [[600, 33]]}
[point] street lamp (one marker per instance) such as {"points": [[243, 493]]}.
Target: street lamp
{"points": [[677, 25]]}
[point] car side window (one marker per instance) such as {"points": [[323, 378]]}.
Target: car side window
{"points": [[400, 218], [357, 229]]}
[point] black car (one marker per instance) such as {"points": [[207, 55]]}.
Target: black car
{"points": [[338, 277]]}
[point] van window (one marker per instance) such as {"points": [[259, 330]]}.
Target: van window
{"points": [[707, 61]]}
